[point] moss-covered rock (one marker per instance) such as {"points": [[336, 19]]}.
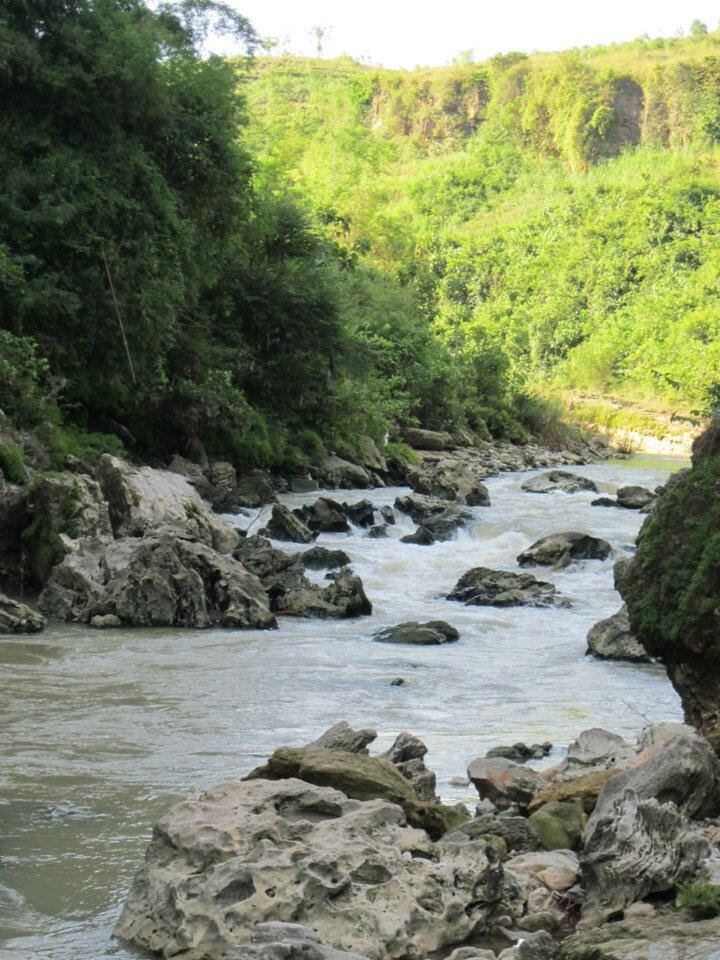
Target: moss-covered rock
{"points": [[672, 585], [559, 824]]}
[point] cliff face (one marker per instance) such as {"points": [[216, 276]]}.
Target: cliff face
{"points": [[672, 585]]}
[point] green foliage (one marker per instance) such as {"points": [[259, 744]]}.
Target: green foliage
{"points": [[12, 462], [701, 898]]}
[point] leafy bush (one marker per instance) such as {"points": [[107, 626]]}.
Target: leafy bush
{"points": [[701, 898], [12, 462]]}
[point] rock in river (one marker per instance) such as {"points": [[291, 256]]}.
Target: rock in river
{"points": [[612, 639], [561, 549], [16, 617], [422, 634], [482, 586], [321, 558], [354, 872], [559, 480], [285, 525]]}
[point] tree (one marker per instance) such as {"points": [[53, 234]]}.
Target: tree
{"points": [[698, 29]]}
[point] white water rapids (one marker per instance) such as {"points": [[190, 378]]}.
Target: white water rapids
{"points": [[103, 730]]}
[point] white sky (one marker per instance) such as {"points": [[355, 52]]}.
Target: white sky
{"points": [[408, 33]]}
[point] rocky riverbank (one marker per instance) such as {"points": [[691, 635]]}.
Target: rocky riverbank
{"points": [[326, 851]]}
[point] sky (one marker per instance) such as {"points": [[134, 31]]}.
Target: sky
{"points": [[409, 33]]}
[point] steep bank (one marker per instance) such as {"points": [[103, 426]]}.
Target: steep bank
{"points": [[672, 586]]}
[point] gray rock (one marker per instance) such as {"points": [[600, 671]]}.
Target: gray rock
{"points": [[681, 769], [419, 507], [450, 480], [303, 485], [362, 514], [668, 936], [521, 752], [369, 455], [388, 515], [561, 549], [538, 945], [16, 617], [659, 732], [408, 754], [254, 489], [61, 509], [634, 847], [146, 502], [561, 480], [635, 498], [482, 586], [421, 537], [324, 516], [161, 581], [423, 634], [377, 532], [428, 439], [612, 639], [361, 879], [321, 558], [517, 832], [597, 748], [13, 521], [604, 502], [341, 736], [285, 525], [107, 622], [286, 941], [503, 781], [335, 472]]}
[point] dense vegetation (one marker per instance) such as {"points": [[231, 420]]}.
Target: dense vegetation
{"points": [[274, 256]]}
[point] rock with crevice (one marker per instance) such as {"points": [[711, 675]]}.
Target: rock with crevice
{"points": [[561, 549], [670, 935], [286, 525], [353, 872], [596, 748], [286, 941], [612, 639], [633, 847], [482, 586], [407, 753], [559, 480], [324, 516], [503, 782]]}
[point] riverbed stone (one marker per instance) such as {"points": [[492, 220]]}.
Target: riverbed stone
{"points": [[377, 532], [597, 748], [341, 736], [635, 498], [634, 847], [561, 549], [612, 639], [324, 516], [360, 878], [407, 754], [420, 507], [559, 824], [450, 480], [334, 471], [482, 586], [503, 781], [521, 752], [517, 832], [16, 617], [559, 480], [285, 525], [422, 634], [362, 513], [322, 558], [586, 788]]}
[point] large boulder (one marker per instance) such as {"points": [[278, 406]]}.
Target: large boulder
{"points": [[562, 480], [635, 498], [321, 558], [333, 471], [596, 748], [683, 769], [341, 736], [16, 617], [503, 782], [286, 941], [559, 824], [286, 525], [421, 507], [450, 480], [634, 847], [324, 516], [612, 639], [561, 549], [672, 585], [352, 871], [517, 832], [155, 581], [143, 502], [482, 586], [289, 590], [441, 526], [422, 634], [428, 439], [62, 508]]}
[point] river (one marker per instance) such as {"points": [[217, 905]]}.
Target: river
{"points": [[103, 730]]}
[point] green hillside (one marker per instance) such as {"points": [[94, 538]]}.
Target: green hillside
{"points": [[557, 212]]}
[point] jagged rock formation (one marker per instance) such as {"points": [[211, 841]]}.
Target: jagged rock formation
{"points": [[672, 585], [351, 871]]}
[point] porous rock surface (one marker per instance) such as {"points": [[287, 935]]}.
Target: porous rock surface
{"points": [[351, 871]]}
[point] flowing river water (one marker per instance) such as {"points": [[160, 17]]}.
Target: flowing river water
{"points": [[102, 731]]}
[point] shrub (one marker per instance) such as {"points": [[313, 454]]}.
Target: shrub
{"points": [[12, 462], [701, 898]]}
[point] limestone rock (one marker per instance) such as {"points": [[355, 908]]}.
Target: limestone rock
{"points": [[482, 586], [635, 498], [428, 439], [561, 480], [420, 507], [286, 941], [517, 832], [333, 471], [561, 549], [503, 782], [597, 748], [161, 581], [362, 513], [521, 752], [612, 639], [408, 754], [683, 769], [370, 456], [633, 847], [61, 508], [556, 869], [323, 516], [321, 558], [16, 617], [285, 525], [585, 788], [559, 824], [341, 736], [143, 501], [450, 480], [433, 632], [352, 871], [668, 936]]}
